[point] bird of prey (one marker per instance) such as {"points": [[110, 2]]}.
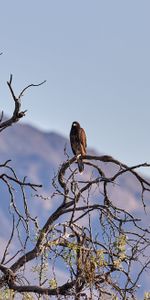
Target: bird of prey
{"points": [[78, 143]]}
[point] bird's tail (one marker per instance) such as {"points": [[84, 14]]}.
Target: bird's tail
{"points": [[80, 164]]}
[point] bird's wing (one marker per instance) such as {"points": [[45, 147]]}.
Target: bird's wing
{"points": [[83, 141]]}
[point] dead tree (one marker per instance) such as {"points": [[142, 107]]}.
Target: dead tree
{"points": [[96, 243]]}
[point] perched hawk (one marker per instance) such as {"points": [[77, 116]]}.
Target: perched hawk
{"points": [[78, 143]]}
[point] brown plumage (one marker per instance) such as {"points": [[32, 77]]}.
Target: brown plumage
{"points": [[78, 143]]}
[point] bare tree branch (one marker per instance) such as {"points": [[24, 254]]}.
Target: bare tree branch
{"points": [[94, 238], [17, 113]]}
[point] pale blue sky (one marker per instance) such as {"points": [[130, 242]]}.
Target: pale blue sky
{"points": [[95, 56]]}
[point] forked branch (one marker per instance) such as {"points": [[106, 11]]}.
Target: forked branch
{"points": [[17, 113]]}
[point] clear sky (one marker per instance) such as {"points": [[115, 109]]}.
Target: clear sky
{"points": [[95, 56]]}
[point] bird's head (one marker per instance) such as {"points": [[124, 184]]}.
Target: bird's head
{"points": [[75, 124]]}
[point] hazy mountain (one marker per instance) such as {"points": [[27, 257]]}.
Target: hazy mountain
{"points": [[38, 155]]}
